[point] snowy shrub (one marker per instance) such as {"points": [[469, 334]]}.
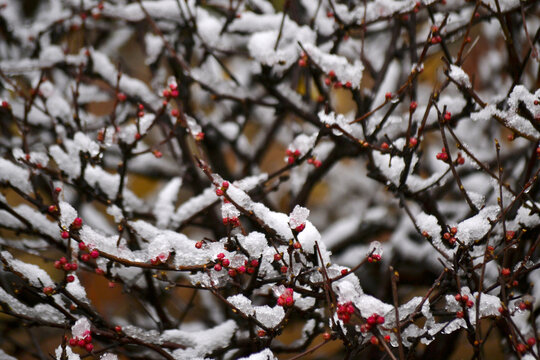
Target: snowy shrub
{"points": [[253, 179]]}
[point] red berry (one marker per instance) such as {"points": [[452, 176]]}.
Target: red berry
{"points": [[175, 112], [232, 273], [58, 264], [118, 328], [226, 262], [77, 223], [413, 106], [48, 290], [94, 254], [241, 269], [290, 160], [299, 228], [327, 336], [531, 341], [338, 85], [57, 189], [198, 244], [459, 314], [220, 256], [447, 116], [254, 262], [174, 93], [302, 62], [166, 93], [225, 185], [5, 104], [121, 97], [70, 278], [82, 246], [88, 339], [348, 85], [413, 141], [297, 245], [65, 234], [327, 81], [81, 343], [344, 272], [505, 272], [284, 269], [217, 267], [521, 348], [67, 267], [74, 266], [52, 209], [331, 74], [89, 347], [388, 95], [384, 146], [277, 257], [470, 304], [72, 342], [219, 192], [261, 333], [458, 297], [510, 235], [85, 257], [157, 154], [374, 340]]}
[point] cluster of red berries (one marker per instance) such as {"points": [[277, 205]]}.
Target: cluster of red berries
{"points": [[221, 262], [234, 221], [371, 322], [171, 92], [331, 78], [221, 190], [344, 311], [286, 299], [94, 254], [449, 236], [443, 155], [314, 162], [465, 301], [374, 258], [292, 155], [84, 342], [436, 39], [140, 113], [249, 267], [521, 348], [63, 264]]}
